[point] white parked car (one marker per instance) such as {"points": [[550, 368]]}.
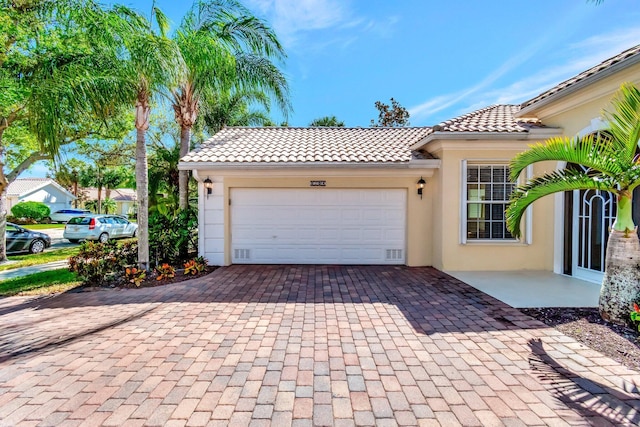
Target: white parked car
{"points": [[65, 215], [98, 227]]}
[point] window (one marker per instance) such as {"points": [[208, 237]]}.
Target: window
{"points": [[487, 194]]}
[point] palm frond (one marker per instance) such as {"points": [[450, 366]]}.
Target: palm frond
{"points": [[258, 72], [553, 182], [591, 151], [624, 121]]}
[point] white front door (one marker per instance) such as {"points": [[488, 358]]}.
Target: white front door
{"points": [[593, 215], [318, 226]]}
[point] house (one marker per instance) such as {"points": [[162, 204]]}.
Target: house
{"points": [[415, 196], [125, 198], [44, 190]]}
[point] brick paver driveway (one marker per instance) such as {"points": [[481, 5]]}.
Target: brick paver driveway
{"points": [[299, 345]]}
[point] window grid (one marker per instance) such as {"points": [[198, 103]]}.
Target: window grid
{"points": [[488, 191]]}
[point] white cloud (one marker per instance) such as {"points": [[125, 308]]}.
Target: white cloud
{"points": [[290, 17], [576, 57]]}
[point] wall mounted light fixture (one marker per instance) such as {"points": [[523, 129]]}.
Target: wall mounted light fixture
{"points": [[208, 184], [420, 185]]}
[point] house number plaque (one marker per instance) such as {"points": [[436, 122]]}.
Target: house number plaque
{"points": [[318, 183]]}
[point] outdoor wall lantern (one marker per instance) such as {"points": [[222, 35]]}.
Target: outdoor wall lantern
{"points": [[420, 184], [208, 184]]}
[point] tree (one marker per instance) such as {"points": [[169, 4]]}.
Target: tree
{"points": [[56, 67], [109, 205], [327, 121], [235, 108], [394, 116], [610, 159], [223, 47], [153, 66]]}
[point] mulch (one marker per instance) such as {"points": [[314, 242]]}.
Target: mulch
{"points": [[585, 325]]}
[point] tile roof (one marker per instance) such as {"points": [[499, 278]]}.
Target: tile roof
{"points": [[310, 145], [604, 65], [25, 185], [497, 118], [117, 194]]}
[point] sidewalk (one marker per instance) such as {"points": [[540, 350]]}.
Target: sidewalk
{"points": [[24, 271]]}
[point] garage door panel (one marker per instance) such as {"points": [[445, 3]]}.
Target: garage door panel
{"points": [[310, 226]]}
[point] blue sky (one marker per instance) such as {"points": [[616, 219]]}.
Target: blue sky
{"points": [[438, 59]]}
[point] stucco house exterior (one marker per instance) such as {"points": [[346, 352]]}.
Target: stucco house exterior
{"points": [[44, 190], [352, 196], [125, 198]]}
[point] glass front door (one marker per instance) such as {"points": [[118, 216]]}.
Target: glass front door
{"points": [[594, 214]]}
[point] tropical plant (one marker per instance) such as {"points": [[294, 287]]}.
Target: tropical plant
{"points": [[109, 206], [225, 48], [195, 266], [171, 231], [31, 210], [153, 66], [327, 121], [97, 263], [235, 107], [610, 161], [165, 271], [56, 66]]}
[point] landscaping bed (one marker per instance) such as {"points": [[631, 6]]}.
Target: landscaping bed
{"points": [[150, 280], [587, 327]]}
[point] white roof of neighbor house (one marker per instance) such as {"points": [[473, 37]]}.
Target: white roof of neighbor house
{"points": [[314, 145], [22, 186]]}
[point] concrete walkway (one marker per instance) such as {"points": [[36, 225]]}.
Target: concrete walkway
{"points": [[301, 346], [528, 288], [24, 271]]}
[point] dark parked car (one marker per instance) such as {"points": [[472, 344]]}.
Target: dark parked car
{"points": [[20, 239]]}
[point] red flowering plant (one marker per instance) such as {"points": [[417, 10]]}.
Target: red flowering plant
{"points": [[635, 316]]}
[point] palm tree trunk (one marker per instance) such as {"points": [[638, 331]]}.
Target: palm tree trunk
{"points": [[143, 200], [142, 180], [621, 281], [3, 224], [183, 175]]}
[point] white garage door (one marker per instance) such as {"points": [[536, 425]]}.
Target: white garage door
{"points": [[318, 226]]}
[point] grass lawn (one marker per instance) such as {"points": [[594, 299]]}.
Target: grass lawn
{"points": [[45, 282], [42, 226], [42, 258]]}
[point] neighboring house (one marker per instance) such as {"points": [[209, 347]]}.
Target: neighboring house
{"points": [[349, 195], [125, 198], [44, 190]]}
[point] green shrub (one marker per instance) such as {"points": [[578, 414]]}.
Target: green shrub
{"points": [[172, 236], [99, 263], [31, 210]]}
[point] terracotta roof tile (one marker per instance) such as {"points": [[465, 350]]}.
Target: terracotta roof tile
{"points": [[309, 145], [497, 118], [604, 65]]}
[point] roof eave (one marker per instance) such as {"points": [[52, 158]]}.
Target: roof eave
{"points": [[615, 68], [535, 134], [422, 163]]}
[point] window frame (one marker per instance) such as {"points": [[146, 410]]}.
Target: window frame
{"points": [[464, 202]]}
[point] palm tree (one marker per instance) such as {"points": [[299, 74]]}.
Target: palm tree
{"points": [[327, 121], [223, 46], [152, 67], [612, 164], [56, 67], [235, 108]]}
